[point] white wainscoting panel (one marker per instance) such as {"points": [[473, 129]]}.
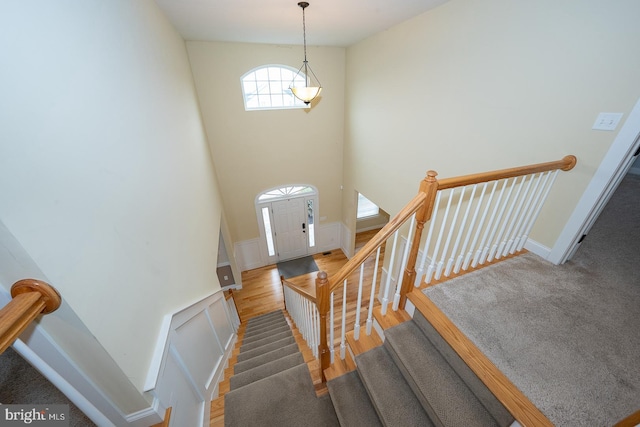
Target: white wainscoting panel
{"points": [[248, 254], [345, 240], [197, 346], [328, 236]]}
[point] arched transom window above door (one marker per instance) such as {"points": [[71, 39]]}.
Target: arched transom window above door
{"points": [[286, 192]]}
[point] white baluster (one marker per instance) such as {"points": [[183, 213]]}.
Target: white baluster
{"points": [[440, 263], [373, 293], [511, 217], [356, 326], [403, 264], [463, 250], [547, 189], [482, 249], [344, 321], [385, 297], [522, 212], [503, 249], [474, 246], [305, 327], [316, 330], [527, 212], [452, 228], [495, 238], [331, 328], [427, 244]]}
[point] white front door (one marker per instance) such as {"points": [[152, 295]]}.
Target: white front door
{"points": [[290, 224]]}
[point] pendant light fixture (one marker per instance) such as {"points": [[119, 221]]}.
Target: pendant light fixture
{"points": [[312, 87]]}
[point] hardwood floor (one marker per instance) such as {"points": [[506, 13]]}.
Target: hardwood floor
{"points": [[261, 293]]}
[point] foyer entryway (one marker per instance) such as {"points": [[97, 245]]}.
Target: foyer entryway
{"points": [[286, 218]]}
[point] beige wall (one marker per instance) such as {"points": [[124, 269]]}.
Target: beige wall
{"points": [[257, 150], [105, 173], [474, 86]]}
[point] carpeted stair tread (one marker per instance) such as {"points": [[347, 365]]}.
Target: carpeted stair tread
{"points": [[442, 393], [265, 358], [256, 337], [271, 315], [351, 401], [249, 354], [264, 318], [266, 340], [265, 326], [286, 399], [479, 389], [263, 321], [392, 397], [265, 370]]}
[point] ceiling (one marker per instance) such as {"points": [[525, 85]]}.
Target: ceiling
{"points": [[328, 22]]}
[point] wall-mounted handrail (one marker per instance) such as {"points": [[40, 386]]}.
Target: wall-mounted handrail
{"points": [[30, 298]]}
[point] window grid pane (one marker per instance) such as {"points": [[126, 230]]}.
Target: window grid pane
{"points": [[267, 87]]}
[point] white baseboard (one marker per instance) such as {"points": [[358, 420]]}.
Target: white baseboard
{"points": [[537, 248], [328, 237]]}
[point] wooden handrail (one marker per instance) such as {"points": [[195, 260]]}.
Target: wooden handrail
{"points": [[30, 298], [422, 205], [305, 293], [372, 245], [567, 163]]}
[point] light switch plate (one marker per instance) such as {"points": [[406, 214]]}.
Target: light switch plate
{"points": [[607, 121]]}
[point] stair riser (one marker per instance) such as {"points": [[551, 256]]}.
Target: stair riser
{"points": [[243, 356], [265, 341], [240, 367], [265, 326], [479, 389], [253, 338], [266, 370], [258, 319]]}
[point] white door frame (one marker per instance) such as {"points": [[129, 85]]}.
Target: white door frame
{"points": [[612, 169], [259, 204]]}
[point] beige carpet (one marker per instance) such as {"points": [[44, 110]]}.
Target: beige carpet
{"points": [[568, 336]]}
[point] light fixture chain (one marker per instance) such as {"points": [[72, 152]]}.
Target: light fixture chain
{"points": [[304, 34]]}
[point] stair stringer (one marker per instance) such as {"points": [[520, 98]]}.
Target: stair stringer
{"points": [[480, 374]]}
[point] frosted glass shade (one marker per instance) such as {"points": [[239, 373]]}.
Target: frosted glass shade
{"points": [[306, 93]]}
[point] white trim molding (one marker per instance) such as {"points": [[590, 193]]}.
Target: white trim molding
{"points": [[606, 179]]}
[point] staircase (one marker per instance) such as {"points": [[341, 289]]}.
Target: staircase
{"points": [[413, 379], [271, 385]]}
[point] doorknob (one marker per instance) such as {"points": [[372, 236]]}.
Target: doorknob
{"points": [[303, 227]]}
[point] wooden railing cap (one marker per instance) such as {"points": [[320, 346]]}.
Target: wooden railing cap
{"points": [[571, 161], [50, 296]]}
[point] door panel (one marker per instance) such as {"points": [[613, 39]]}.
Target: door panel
{"points": [[290, 227]]}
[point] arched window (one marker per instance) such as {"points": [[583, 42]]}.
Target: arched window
{"points": [[267, 88]]}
